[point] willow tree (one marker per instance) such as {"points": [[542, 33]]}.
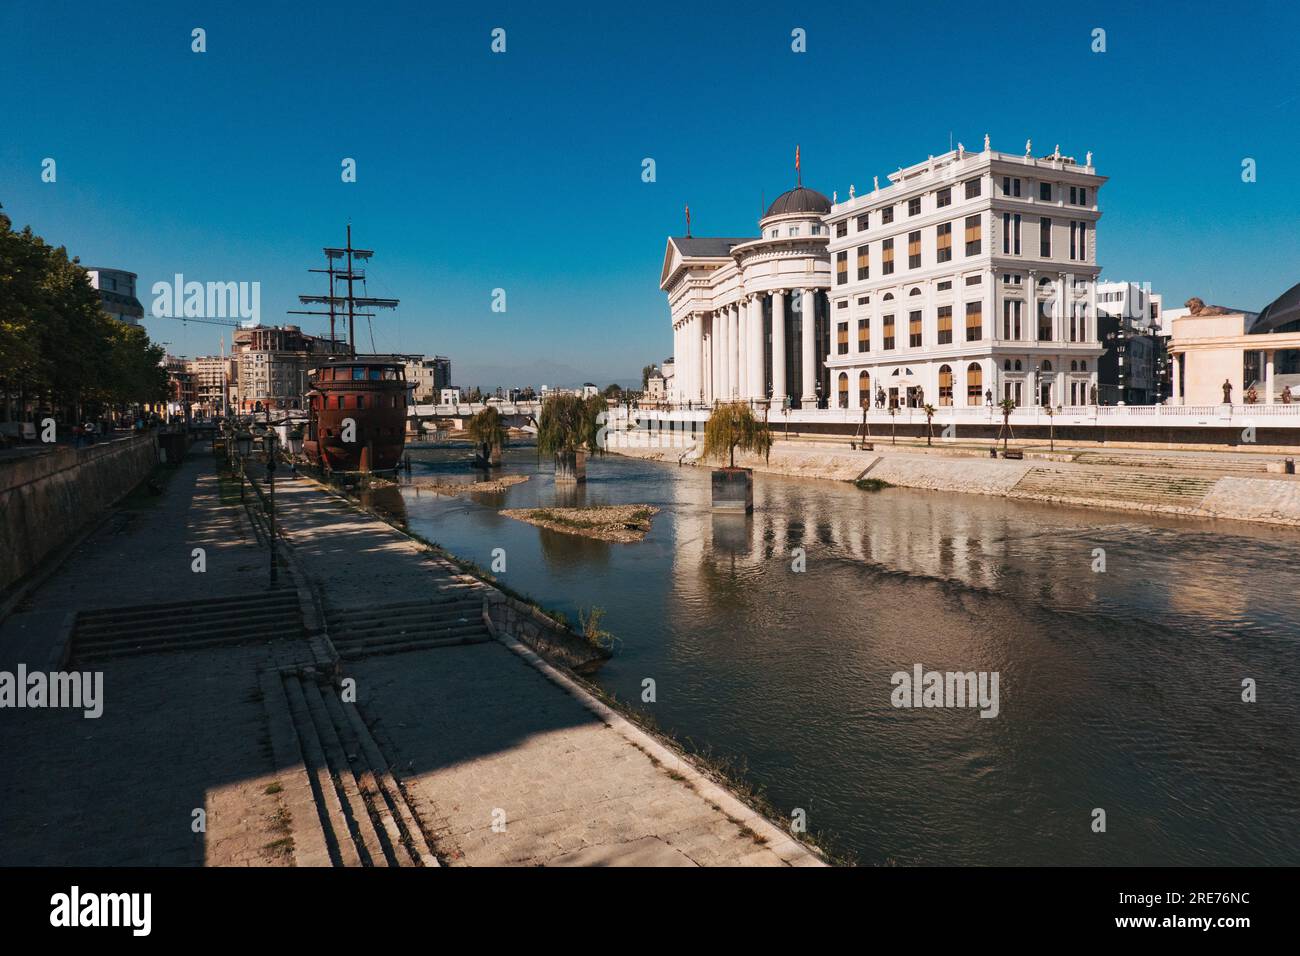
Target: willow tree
{"points": [[487, 431], [569, 428], [732, 425]]}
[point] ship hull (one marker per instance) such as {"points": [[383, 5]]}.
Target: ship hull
{"points": [[357, 417]]}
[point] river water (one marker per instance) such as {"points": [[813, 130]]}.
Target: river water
{"points": [[1118, 690]]}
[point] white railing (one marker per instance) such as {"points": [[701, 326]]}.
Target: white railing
{"points": [[1276, 416]]}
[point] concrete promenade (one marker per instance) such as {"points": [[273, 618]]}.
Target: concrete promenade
{"points": [[506, 759], [225, 740], [179, 732]]}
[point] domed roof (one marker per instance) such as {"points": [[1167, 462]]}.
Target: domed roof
{"points": [[799, 199], [1280, 315]]}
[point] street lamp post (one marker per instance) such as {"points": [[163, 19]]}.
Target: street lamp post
{"points": [[269, 442]]}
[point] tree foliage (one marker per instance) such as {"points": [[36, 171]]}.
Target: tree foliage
{"points": [[570, 423], [487, 429], [58, 346], [732, 425]]}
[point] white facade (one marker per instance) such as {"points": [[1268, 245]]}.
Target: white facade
{"points": [[738, 306], [968, 279], [117, 293]]}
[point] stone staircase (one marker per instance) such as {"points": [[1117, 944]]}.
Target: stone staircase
{"points": [[346, 807], [186, 625], [1217, 465], [454, 617], [1134, 488]]}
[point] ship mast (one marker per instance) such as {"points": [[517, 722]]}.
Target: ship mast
{"points": [[335, 303]]}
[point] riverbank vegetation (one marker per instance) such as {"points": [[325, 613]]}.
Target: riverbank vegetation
{"points": [[60, 352], [624, 524]]}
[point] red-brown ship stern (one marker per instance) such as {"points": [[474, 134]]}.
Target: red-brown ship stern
{"points": [[357, 414]]}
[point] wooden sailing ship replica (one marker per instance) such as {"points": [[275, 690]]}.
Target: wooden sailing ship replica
{"points": [[357, 404]]}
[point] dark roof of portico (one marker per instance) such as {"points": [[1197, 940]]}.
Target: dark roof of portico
{"points": [[712, 247], [1282, 311]]}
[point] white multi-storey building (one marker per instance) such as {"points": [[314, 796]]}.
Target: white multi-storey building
{"points": [[738, 306], [968, 279], [117, 293]]}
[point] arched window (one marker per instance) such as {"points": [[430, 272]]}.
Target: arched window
{"points": [[864, 388], [844, 390], [945, 384], [974, 384], [915, 291], [1006, 365], [1083, 366], [1047, 366], [1018, 368], [1074, 366], [888, 296]]}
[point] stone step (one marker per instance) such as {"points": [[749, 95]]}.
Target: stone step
{"points": [[357, 812], [107, 629], [206, 605], [1157, 463], [365, 649], [350, 615], [422, 620], [288, 627], [1179, 490]]}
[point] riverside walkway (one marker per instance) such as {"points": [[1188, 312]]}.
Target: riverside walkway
{"points": [[504, 759], [231, 734]]}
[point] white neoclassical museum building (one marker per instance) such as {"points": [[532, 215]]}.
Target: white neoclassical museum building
{"points": [[969, 278], [738, 306]]}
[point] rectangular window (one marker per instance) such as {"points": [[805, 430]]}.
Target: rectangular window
{"points": [[842, 338], [914, 250], [841, 229], [864, 300], [864, 335], [1045, 238], [944, 286], [1074, 237], [914, 330], [972, 188], [943, 198], [1011, 313], [1079, 244], [974, 321], [887, 215], [863, 222], [972, 235], [976, 279], [887, 257], [1044, 321], [841, 267], [1083, 195], [889, 331], [914, 206], [943, 235], [1010, 186], [1015, 234], [864, 262], [1045, 192], [945, 325]]}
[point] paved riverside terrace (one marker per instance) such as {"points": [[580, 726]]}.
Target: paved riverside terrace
{"points": [[483, 734], [179, 731]]}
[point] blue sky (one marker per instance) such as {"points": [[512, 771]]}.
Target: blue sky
{"points": [[523, 170]]}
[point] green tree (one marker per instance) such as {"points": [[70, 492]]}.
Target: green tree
{"points": [[570, 423], [732, 425], [487, 430]]}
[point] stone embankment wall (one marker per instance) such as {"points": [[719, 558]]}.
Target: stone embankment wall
{"points": [[525, 623], [46, 499], [1195, 490]]}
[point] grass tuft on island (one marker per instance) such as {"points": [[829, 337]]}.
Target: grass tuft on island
{"points": [[621, 523], [491, 486], [872, 484]]}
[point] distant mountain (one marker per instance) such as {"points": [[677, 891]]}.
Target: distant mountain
{"points": [[536, 374]]}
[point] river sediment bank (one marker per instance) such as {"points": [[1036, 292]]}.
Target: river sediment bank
{"points": [[1232, 487]]}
